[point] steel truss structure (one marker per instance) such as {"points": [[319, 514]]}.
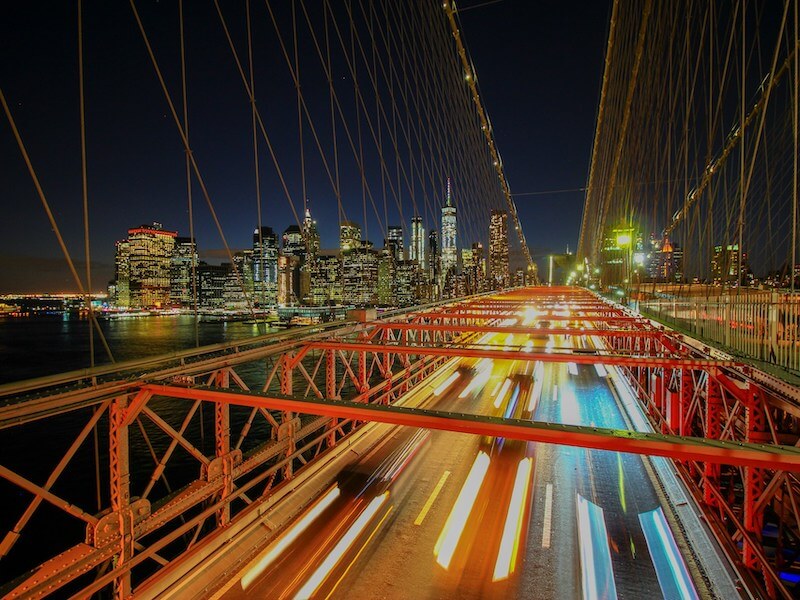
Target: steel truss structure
{"points": [[275, 404]]}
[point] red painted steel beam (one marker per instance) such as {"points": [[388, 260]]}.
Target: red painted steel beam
{"points": [[555, 357], [514, 315], [652, 444], [518, 329]]}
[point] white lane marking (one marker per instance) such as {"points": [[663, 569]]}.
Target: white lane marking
{"points": [[548, 515], [432, 498]]}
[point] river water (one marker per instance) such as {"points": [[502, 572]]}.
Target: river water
{"points": [[49, 344]]}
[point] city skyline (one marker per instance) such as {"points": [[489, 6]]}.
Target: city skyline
{"points": [[156, 268], [144, 181]]}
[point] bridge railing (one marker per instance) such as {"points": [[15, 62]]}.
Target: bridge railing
{"points": [[762, 326]]}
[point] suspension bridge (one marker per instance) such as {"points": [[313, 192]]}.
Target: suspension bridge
{"points": [[631, 433]]}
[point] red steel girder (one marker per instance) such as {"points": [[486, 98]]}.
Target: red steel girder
{"points": [[501, 315], [517, 329], [651, 444], [486, 352]]}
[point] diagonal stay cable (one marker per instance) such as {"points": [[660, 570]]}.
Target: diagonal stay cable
{"points": [[193, 160], [26, 157]]}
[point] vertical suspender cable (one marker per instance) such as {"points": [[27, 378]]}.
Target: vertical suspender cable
{"points": [[794, 135], [256, 169], [85, 186], [189, 203], [740, 223], [50, 217], [299, 106]]}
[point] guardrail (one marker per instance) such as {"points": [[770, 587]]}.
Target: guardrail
{"points": [[761, 326]]}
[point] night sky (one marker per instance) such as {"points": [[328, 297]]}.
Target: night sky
{"points": [[539, 66]]}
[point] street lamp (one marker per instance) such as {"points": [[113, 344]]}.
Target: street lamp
{"points": [[624, 241]]}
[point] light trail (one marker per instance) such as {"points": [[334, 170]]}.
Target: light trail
{"points": [[512, 530], [500, 396], [290, 536], [536, 393], [674, 580], [446, 384], [572, 368], [512, 404], [330, 562], [597, 575], [484, 369], [457, 519]]}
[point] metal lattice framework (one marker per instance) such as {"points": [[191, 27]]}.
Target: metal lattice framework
{"points": [[278, 403]]}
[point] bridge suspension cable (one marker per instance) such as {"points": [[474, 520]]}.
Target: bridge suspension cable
{"points": [[683, 89]]}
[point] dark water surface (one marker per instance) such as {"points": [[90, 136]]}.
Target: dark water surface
{"points": [[45, 345], [50, 344]]}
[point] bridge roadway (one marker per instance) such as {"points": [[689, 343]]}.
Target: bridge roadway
{"points": [[384, 527]]}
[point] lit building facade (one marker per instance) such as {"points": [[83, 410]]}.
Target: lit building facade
{"points": [[394, 238], [416, 251], [326, 279], [312, 244], [498, 250], [349, 236], [360, 276], [473, 262], [288, 280], [183, 270], [150, 249], [616, 256], [407, 277], [265, 267], [122, 274], [725, 264], [449, 236], [434, 266], [213, 283], [387, 288]]}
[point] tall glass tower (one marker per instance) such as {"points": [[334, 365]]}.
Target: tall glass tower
{"points": [[416, 251], [449, 247]]}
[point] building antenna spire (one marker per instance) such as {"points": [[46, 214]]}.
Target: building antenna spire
{"points": [[449, 197]]}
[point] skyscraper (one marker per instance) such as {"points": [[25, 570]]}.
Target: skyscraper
{"points": [[312, 242], [434, 265], [326, 279], [498, 249], [265, 266], [449, 247], [387, 280], [311, 235], [288, 279], [150, 250], [183, 272], [293, 242], [349, 236], [416, 251], [122, 274], [360, 276], [395, 237], [725, 264]]}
